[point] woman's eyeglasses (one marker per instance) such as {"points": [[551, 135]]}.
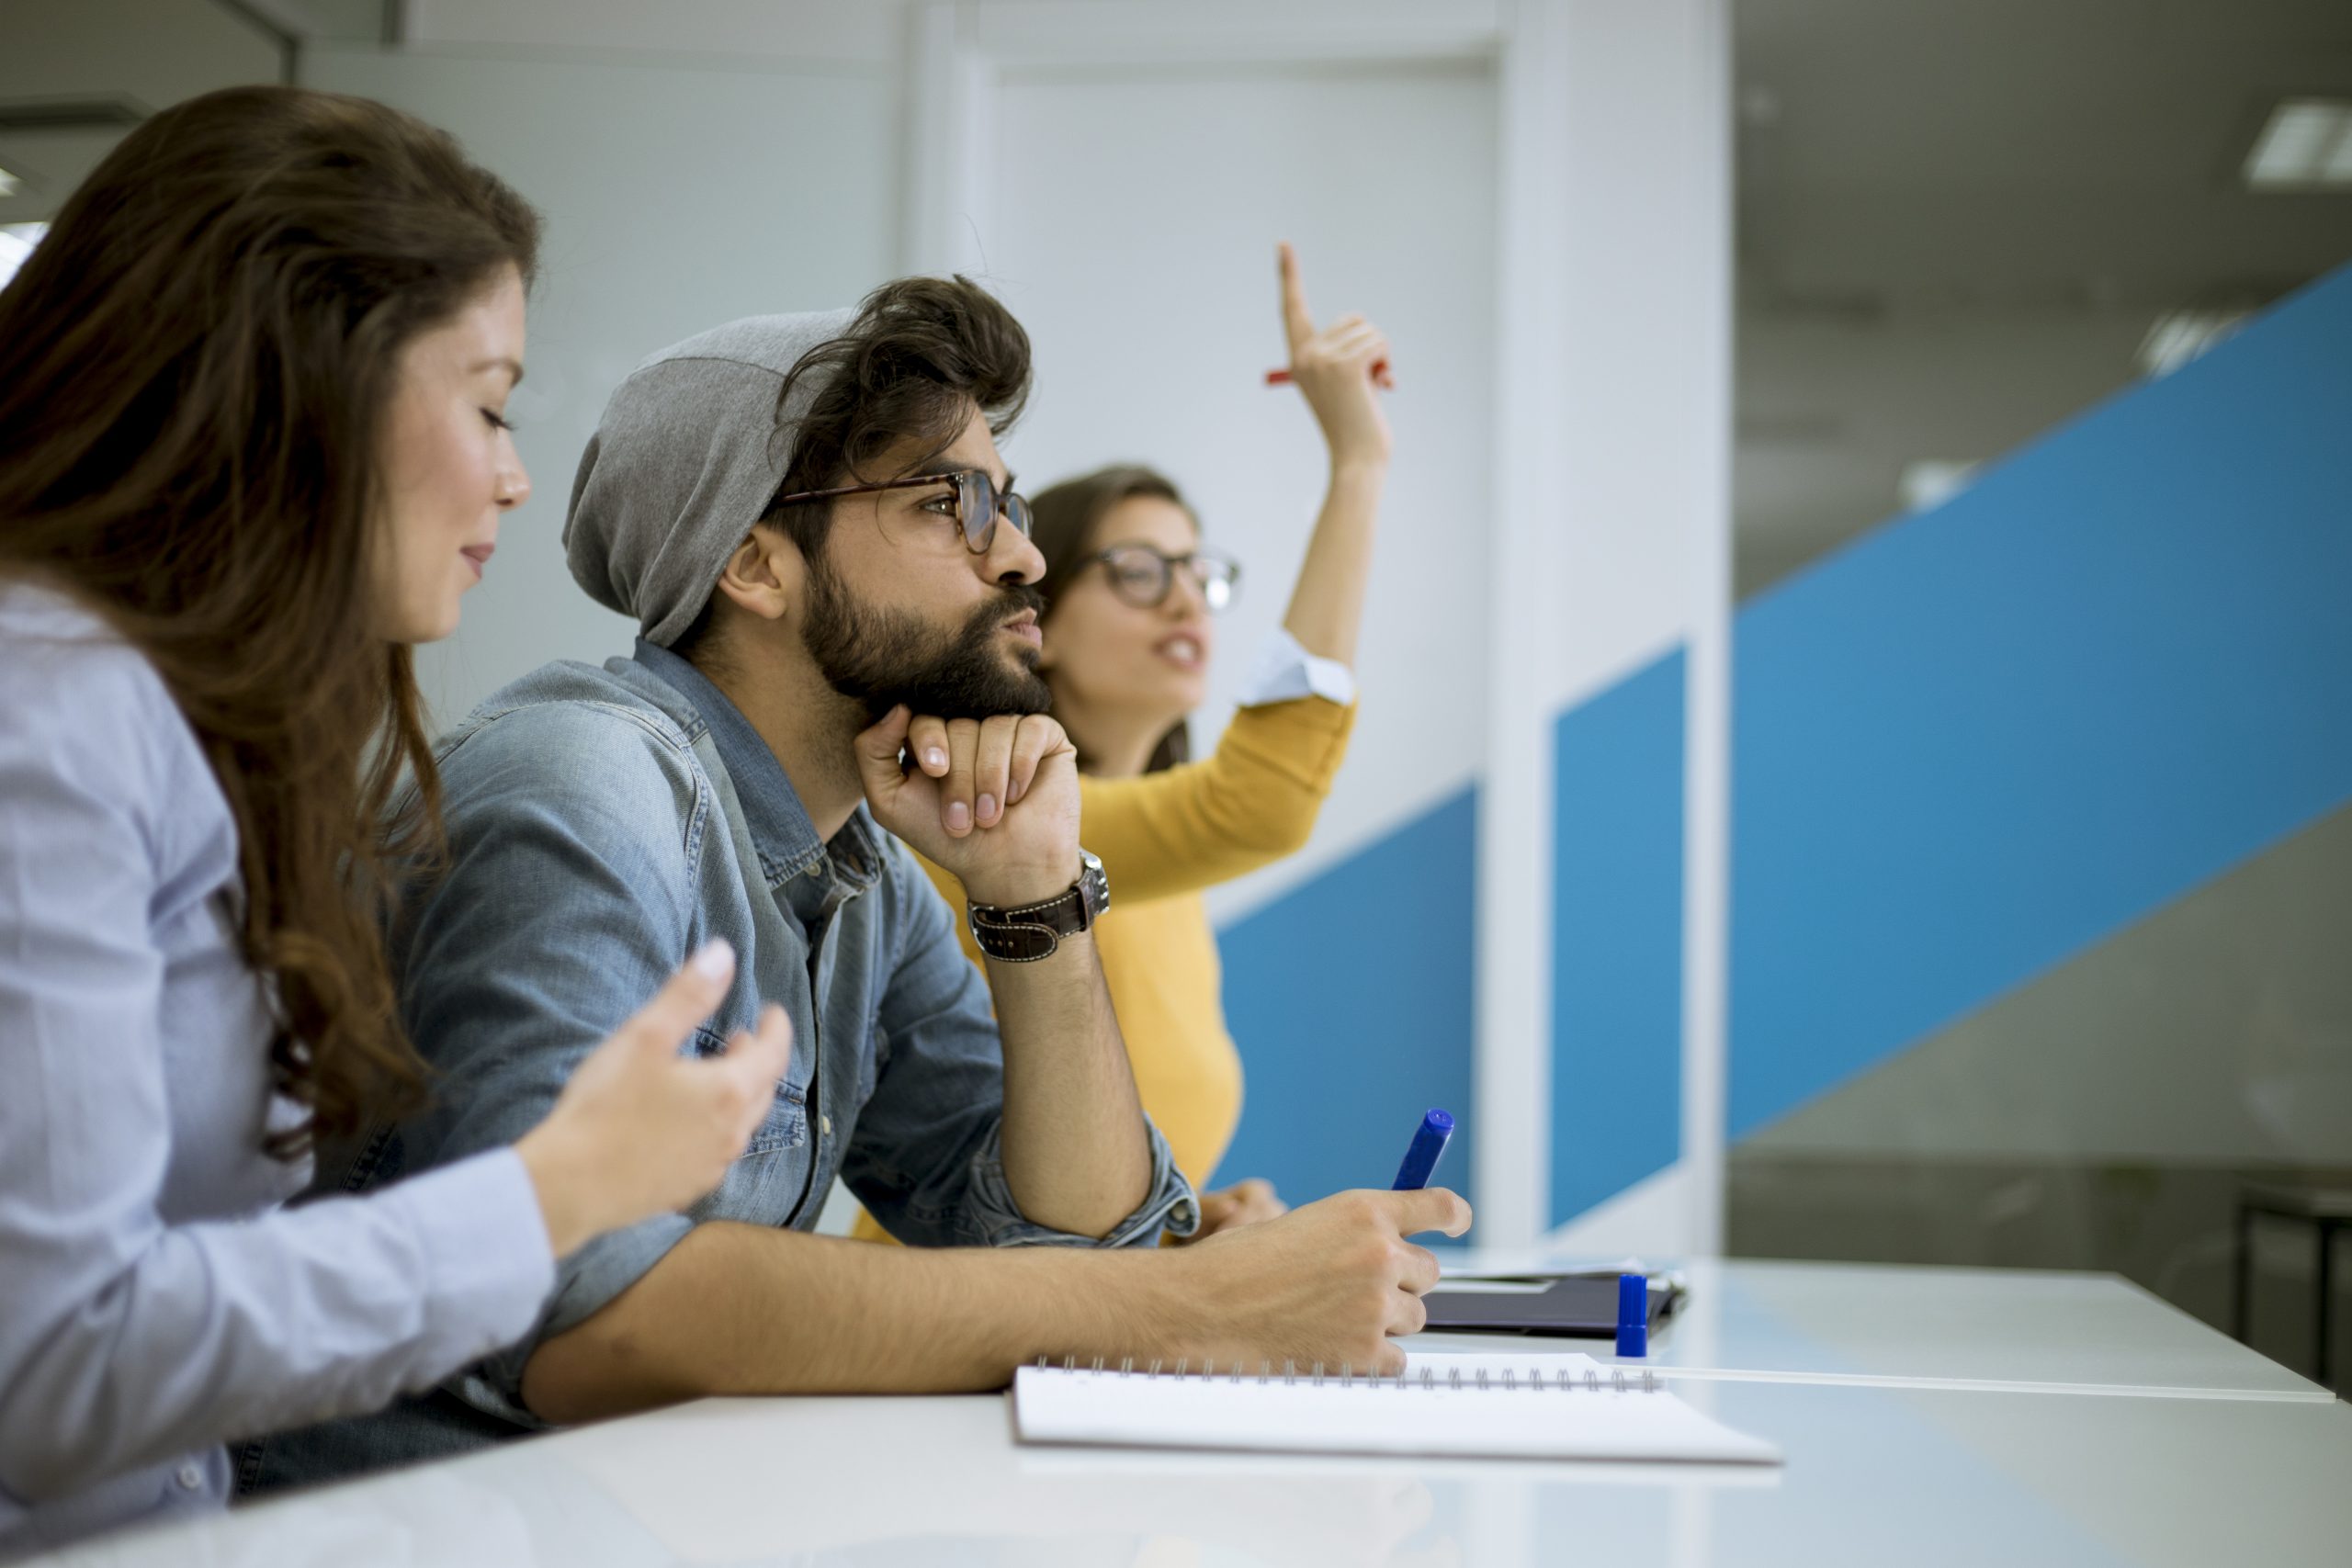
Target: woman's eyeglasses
{"points": [[1143, 576], [973, 501]]}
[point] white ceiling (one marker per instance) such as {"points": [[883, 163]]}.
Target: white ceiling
{"points": [[1957, 218]]}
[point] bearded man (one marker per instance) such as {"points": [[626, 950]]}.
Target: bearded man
{"points": [[810, 520]]}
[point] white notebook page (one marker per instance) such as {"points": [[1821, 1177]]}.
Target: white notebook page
{"points": [[1524, 1415]]}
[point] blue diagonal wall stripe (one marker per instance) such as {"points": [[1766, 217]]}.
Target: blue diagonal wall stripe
{"points": [[1350, 998], [1617, 938], [1986, 737], [1965, 749]]}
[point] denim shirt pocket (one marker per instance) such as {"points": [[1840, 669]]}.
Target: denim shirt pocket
{"points": [[786, 1124]]}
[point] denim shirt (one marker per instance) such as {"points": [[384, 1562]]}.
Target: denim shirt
{"points": [[603, 825]]}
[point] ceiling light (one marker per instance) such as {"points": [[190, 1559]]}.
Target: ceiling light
{"points": [[2180, 336], [17, 243], [1931, 482], [2307, 145]]}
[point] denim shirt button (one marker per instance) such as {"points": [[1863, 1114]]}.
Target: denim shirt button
{"points": [[191, 1477], [825, 1125]]}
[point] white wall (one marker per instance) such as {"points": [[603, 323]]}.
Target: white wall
{"points": [[1529, 195], [1614, 541], [1132, 230], [677, 195]]}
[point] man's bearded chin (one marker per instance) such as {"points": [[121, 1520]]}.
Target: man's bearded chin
{"points": [[883, 657]]}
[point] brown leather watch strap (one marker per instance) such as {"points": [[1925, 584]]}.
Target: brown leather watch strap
{"points": [[1028, 932]]}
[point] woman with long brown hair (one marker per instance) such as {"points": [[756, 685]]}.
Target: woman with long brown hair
{"points": [[252, 446]]}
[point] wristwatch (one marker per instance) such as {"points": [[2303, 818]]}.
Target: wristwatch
{"points": [[1033, 931]]}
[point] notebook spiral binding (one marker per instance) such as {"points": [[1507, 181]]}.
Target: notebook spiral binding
{"points": [[1591, 1382]]}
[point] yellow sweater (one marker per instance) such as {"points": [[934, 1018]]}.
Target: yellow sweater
{"points": [[1162, 838]]}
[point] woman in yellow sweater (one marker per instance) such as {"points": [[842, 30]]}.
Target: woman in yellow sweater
{"points": [[1130, 594]]}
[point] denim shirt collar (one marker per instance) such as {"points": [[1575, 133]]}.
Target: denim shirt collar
{"points": [[787, 841]]}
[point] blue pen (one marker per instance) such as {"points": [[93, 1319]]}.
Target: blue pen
{"points": [[1421, 1159]]}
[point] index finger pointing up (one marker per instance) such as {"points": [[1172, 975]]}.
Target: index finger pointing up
{"points": [[1297, 322]]}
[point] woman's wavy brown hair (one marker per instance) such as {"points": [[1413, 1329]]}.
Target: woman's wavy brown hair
{"points": [[196, 366]]}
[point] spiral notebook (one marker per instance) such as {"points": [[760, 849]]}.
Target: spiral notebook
{"points": [[1482, 1406]]}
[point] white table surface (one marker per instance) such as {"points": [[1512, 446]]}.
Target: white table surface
{"points": [[1875, 1475], [1929, 1327]]}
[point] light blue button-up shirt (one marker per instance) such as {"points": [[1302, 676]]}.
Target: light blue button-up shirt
{"points": [[154, 1300], [605, 823]]}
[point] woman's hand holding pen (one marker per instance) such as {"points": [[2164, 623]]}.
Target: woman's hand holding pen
{"points": [[1339, 369]]}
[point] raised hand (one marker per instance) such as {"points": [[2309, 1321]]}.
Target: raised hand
{"points": [[993, 800], [1338, 369], [641, 1131]]}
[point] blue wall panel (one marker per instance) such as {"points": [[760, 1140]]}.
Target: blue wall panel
{"points": [[1351, 999], [1989, 736], [1617, 938]]}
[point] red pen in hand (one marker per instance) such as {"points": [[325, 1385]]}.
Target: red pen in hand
{"points": [[1299, 326], [1280, 377]]}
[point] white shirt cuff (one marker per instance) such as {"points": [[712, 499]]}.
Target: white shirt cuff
{"points": [[1285, 672]]}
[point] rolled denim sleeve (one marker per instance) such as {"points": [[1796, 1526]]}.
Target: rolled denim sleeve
{"points": [[927, 1159], [560, 910]]}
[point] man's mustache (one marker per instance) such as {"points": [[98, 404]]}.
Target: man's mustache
{"points": [[1009, 602]]}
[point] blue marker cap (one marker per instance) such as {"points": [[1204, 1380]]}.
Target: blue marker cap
{"points": [[1421, 1159], [1633, 1314]]}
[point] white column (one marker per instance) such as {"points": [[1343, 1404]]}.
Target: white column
{"points": [[1613, 450], [948, 179], [1514, 1060], [1706, 910]]}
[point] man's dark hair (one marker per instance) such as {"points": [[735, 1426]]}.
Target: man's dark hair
{"points": [[922, 354]]}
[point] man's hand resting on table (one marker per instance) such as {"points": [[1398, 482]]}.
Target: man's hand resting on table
{"points": [[1247, 1202], [1332, 1282]]}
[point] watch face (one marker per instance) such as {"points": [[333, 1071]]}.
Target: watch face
{"points": [[1093, 885]]}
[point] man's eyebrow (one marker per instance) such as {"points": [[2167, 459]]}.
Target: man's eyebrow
{"points": [[512, 366], [940, 467]]}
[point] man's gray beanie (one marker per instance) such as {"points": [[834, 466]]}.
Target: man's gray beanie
{"points": [[690, 450]]}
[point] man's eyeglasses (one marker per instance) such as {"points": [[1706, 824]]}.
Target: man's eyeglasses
{"points": [[1143, 576], [973, 501]]}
